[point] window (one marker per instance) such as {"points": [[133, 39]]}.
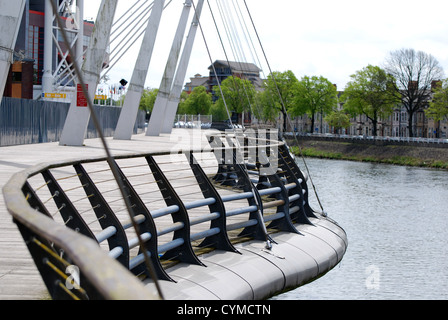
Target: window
{"points": [[86, 40], [70, 36], [17, 77], [36, 51], [404, 116]]}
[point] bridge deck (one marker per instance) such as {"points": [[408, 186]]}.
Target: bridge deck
{"points": [[19, 278]]}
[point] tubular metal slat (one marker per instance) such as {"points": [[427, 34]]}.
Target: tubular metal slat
{"points": [[116, 252], [138, 260], [205, 218], [273, 204], [106, 234], [241, 225], [164, 211], [199, 203], [205, 234], [237, 196], [134, 242], [270, 191], [290, 186], [139, 219], [294, 209], [171, 245], [294, 197], [174, 227], [241, 210], [275, 216], [253, 172]]}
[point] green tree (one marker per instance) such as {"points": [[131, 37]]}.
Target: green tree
{"points": [[181, 109], [218, 112], [239, 95], [263, 109], [198, 102], [338, 120], [371, 92], [314, 95], [148, 99], [438, 106], [280, 89]]}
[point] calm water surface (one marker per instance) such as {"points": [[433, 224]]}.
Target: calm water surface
{"points": [[396, 219]]}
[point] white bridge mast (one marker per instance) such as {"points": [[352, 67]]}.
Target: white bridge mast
{"points": [[158, 112], [167, 102], [79, 114], [128, 115], [176, 91], [171, 86], [58, 76], [11, 13]]}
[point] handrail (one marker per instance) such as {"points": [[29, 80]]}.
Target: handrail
{"points": [[108, 277], [110, 273]]}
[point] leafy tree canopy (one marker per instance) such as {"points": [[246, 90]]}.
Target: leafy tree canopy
{"points": [[438, 106], [314, 95], [148, 99], [371, 92], [239, 94], [338, 120], [198, 102]]}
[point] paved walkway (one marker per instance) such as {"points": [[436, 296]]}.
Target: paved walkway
{"points": [[19, 278]]}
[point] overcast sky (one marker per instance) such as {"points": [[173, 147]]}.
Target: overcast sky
{"points": [[326, 38]]}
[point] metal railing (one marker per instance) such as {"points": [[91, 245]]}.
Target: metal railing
{"points": [[78, 230], [25, 121]]}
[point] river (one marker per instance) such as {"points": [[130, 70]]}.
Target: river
{"points": [[396, 219]]}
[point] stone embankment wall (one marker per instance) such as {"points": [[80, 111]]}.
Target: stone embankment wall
{"points": [[399, 153]]}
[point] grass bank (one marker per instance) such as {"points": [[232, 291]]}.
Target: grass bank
{"points": [[391, 154]]}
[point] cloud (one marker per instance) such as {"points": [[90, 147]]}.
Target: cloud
{"points": [[329, 38]]}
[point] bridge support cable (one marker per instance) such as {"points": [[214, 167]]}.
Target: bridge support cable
{"points": [[239, 149], [128, 14], [284, 107], [235, 44], [236, 48], [109, 7], [125, 38], [136, 31]]}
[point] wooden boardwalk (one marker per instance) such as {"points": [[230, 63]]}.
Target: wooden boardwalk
{"points": [[19, 278]]}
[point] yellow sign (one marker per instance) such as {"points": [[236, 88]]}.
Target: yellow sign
{"points": [[55, 95], [100, 97]]}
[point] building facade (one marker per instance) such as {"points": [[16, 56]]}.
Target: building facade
{"points": [[395, 125], [197, 81], [224, 69], [30, 52]]}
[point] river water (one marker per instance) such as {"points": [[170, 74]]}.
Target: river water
{"points": [[396, 219]]}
